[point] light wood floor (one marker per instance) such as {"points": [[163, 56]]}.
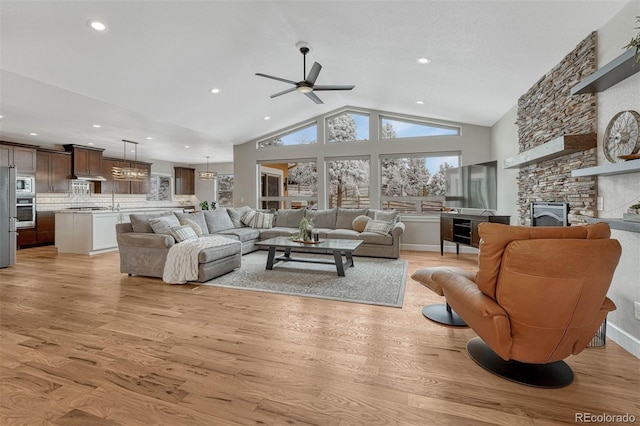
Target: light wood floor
{"points": [[82, 344]]}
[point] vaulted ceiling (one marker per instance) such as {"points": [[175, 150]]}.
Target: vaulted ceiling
{"points": [[151, 73]]}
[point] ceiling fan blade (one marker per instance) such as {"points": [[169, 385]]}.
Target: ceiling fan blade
{"points": [[284, 91], [346, 87], [314, 98], [313, 74], [276, 78]]}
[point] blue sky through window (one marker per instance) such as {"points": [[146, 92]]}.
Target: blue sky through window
{"points": [[307, 135], [407, 129]]}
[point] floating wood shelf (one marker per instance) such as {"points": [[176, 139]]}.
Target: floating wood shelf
{"points": [[620, 68], [625, 167], [564, 145]]}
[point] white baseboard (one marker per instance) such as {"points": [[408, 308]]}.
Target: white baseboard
{"points": [[436, 248], [628, 342]]}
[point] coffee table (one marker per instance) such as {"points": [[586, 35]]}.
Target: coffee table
{"points": [[337, 248]]}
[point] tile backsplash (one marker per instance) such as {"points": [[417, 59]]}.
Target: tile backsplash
{"points": [[79, 197]]}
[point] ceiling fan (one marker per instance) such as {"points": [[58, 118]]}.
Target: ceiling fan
{"points": [[307, 85]]}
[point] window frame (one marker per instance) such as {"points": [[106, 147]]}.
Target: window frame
{"points": [[419, 122], [286, 201], [328, 178], [347, 111], [290, 131]]}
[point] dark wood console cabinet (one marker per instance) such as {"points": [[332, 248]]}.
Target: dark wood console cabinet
{"points": [[463, 228]]}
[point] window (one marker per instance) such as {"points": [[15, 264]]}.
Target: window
{"points": [[349, 182], [394, 128], [348, 127], [301, 136], [288, 184], [225, 190], [416, 183]]}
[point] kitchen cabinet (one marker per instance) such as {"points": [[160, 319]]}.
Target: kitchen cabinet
{"points": [[87, 162], [463, 228], [185, 181], [53, 172], [26, 237], [141, 187], [45, 227], [22, 157]]}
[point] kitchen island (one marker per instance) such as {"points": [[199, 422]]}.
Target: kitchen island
{"points": [[92, 231]]}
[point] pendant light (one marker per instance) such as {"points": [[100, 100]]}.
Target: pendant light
{"points": [[133, 173], [202, 175]]}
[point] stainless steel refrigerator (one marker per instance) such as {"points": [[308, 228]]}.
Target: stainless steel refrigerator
{"points": [[7, 216]]}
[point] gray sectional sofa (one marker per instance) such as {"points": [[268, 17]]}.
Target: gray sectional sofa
{"points": [[143, 252]]}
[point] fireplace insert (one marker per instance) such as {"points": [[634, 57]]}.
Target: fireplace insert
{"points": [[549, 214]]}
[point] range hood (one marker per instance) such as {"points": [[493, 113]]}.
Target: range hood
{"points": [[89, 177]]}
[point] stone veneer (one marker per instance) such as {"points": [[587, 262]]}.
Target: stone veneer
{"points": [[546, 112]]}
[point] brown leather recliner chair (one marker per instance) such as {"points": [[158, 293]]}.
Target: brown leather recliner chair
{"points": [[539, 296]]}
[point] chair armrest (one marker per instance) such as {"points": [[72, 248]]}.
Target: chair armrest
{"points": [[145, 240], [397, 230], [433, 278]]}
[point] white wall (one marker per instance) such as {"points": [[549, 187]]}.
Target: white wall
{"points": [[620, 191], [504, 144], [206, 189]]}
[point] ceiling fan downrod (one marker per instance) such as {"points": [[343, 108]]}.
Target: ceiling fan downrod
{"points": [[304, 50]]}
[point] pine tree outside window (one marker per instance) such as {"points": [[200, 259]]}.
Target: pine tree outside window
{"points": [[347, 127]]}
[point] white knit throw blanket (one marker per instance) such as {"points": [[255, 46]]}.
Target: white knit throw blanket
{"points": [[182, 260]]}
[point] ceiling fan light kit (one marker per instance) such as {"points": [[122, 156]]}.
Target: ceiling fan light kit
{"points": [[308, 85]]}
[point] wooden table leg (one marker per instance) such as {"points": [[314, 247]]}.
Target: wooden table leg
{"points": [[337, 255], [270, 257]]}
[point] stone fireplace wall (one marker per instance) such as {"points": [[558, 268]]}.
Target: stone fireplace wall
{"points": [[546, 112]]}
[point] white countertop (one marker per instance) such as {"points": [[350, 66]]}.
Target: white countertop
{"points": [[125, 211]]}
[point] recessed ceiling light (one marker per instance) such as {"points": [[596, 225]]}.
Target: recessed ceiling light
{"points": [[33, 134], [97, 25], [90, 143], [97, 126], [215, 90], [420, 102], [187, 146], [267, 118], [1, 117], [423, 60], [149, 138]]}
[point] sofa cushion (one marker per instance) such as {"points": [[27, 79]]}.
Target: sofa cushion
{"points": [[196, 228], [375, 238], [322, 218], [163, 224], [378, 226], [197, 217], [344, 219], [289, 218], [236, 213], [243, 234], [360, 222], [258, 220], [277, 231], [385, 215], [183, 233], [217, 220], [219, 252], [343, 234], [140, 221]]}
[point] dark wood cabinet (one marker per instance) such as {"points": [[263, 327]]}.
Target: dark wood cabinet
{"points": [[53, 172], [185, 181], [141, 187], [22, 157], [463, 228], [87, 161], [110, 184], [45, 227], [27, 237]]}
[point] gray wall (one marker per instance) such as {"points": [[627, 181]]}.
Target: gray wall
{"points": [[504, 144]]}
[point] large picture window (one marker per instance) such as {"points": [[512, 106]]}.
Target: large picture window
{"points": [[348, 127], [349, 182], [288, 184], [301, 136], [416, 183], [395, 128]]}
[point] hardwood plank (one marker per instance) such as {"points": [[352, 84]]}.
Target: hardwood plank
{"points": [[81, 343]]}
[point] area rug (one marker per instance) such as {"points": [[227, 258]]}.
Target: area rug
{"points": [[372, 281]]}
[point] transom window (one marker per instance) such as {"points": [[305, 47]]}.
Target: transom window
{"points": [[305, 135], [395, 128], [348, 127]]}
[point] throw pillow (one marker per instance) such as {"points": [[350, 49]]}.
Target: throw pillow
{"points": [[360, 222], [235, 214], [196, 228], [197, 217], [217, 220], [140, 222], [258, 220], [183, 233], [387, 216], [378, 226], [163, 224]]}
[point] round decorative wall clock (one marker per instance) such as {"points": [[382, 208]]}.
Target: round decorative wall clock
{"points": [[621, 139]]}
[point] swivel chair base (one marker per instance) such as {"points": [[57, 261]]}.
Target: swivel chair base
{"points": [[443, 314], [553, 375]]}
